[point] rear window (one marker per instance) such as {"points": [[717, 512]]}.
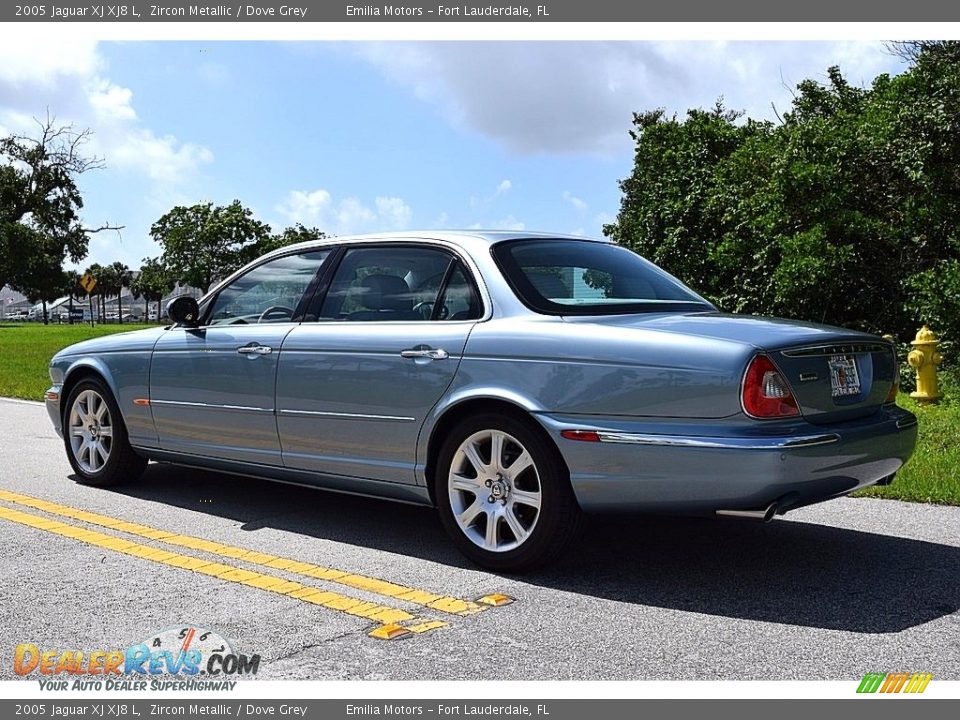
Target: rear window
{"points": [[582, 277]]}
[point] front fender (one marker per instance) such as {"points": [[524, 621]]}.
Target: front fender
{"points": [[78, 366], [127, 375]]}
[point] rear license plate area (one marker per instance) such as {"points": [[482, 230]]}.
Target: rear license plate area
{"points": [[844, 378]]}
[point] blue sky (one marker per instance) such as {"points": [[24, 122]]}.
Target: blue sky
{"points": [[359, 137]]}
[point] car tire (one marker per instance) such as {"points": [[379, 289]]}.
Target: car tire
{"points": [[96, 439], [510, 510]]}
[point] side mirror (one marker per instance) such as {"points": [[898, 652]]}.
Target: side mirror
{"points": [[184, 311]]}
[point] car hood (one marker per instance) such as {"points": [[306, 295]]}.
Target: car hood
{"points": [[767, 333], [120, 342]]}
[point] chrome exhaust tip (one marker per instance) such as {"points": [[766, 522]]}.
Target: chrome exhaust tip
{"points": [[765, 514]]}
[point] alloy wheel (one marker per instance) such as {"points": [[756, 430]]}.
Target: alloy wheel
{"points": [[91, 431], [495, 491]]}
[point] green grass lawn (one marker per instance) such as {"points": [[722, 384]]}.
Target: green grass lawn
{"points": [[933, 475], [26, 349]]}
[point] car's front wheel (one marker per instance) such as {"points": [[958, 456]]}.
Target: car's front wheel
{"points": [[504, 494], [96, 438]]}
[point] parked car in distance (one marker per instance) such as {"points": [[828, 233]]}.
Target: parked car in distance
{"points": [[512, 380]]}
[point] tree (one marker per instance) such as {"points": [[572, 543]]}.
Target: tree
{"points": [[40, 202], [153, 283], [290, 236], [205, 243], [99, 273], [120, 279], [43, 281], [846, 212]]}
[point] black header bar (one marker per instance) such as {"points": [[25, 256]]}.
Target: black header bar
{"points": [[577, 11]]}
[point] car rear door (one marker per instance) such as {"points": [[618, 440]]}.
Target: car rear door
{"points": [[212, 387], [356, 381]]}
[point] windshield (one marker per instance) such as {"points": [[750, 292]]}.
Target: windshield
{"points": [[583, 277]]}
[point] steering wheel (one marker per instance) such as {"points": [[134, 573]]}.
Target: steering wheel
{"points": [[425, 309], [281, 310]]}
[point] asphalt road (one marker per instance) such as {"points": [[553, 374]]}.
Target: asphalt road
{"points": [[829, 592]]}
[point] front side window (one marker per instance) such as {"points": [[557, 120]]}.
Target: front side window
{"points": [[390, 283], [582, 277], [269, 293]]}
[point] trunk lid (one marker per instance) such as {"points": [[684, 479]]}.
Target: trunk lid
{"points": [[835, 374], [837, 381]]}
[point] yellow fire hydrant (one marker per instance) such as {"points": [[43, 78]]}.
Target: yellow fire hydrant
{"points": [[924, 358]]}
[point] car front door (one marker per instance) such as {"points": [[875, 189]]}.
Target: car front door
{"points": [[212, 387], [381, 345]]}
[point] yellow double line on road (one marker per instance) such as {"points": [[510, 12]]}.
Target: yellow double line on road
{"points": [[389, 618]]}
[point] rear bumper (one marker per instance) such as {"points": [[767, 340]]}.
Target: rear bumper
{"points": [[690, 468]]}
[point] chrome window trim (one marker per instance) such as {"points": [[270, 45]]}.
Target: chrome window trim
{"points": [[333, 244]]}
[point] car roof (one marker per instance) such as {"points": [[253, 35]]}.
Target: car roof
{"points": [[461, 238]]}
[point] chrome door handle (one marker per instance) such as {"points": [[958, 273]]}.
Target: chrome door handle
{"points": [[255, 350], [431, 353]]}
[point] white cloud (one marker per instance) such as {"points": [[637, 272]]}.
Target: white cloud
{"points": [[578, 204], [579, 97], [111, 102], [507, 223], [25, 62], [318, 208], [68, 80], [503, 187], [394, 213], [604, 218], [163, 159]]}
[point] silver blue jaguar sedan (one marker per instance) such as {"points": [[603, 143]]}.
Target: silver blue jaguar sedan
{"points": [[512, 380]]}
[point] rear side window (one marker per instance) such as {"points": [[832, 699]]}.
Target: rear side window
{"points": [[460, 300], [582, 277]]}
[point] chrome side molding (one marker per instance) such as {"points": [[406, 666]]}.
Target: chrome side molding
{"points": [[774, 443]]}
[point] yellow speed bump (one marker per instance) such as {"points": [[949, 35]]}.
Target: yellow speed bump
{"points": [[388, 617], [389, 632], [434, 601], [496, 600]]}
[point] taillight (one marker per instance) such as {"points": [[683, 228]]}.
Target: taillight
{"points": [[895, 388], [766, 392]]}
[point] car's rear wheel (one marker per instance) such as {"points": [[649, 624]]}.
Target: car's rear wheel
{"points": [[96, 438], [504, 494]]}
